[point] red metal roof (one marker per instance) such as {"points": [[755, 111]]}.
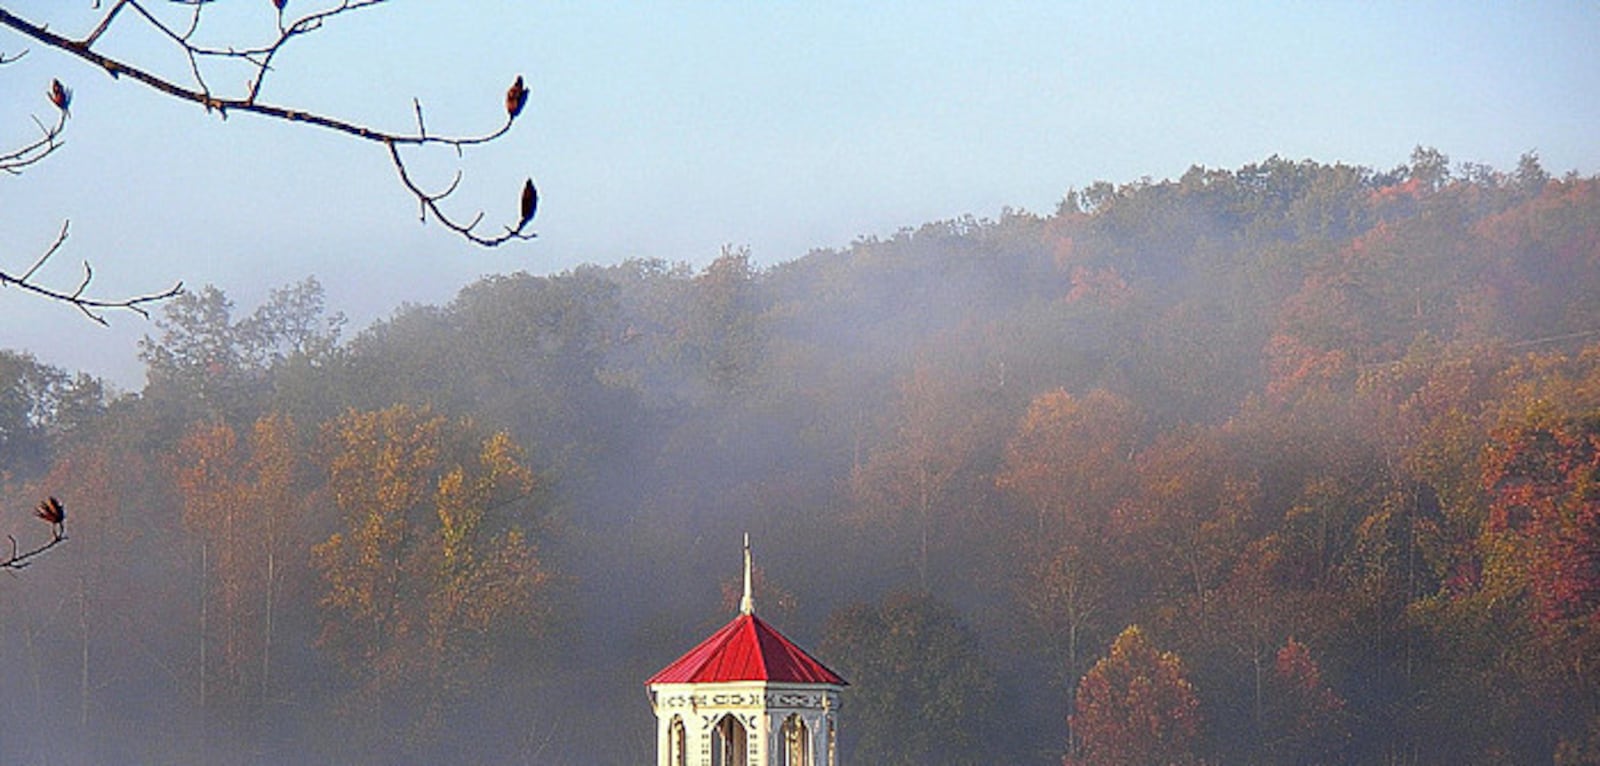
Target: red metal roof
{"points": [[746, 649]]}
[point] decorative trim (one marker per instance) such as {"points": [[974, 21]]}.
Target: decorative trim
{"points": [[778, 700]]}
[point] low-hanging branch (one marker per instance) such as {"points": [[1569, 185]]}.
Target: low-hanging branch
{"points": [[51, 512], [17, 559]]}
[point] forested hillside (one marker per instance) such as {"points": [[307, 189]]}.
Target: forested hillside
{"points": [[1294, 463]]}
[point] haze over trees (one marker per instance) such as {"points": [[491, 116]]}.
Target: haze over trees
{"points": [[1325, 434]]}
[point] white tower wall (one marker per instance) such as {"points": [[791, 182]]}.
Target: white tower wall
{"points": [[761, 708]]}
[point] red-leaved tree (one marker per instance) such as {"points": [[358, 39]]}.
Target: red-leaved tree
{"points": [[1135, 707]]}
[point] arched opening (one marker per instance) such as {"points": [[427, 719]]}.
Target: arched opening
{"points": [[677, 743], [794, 748], [728, 746]]}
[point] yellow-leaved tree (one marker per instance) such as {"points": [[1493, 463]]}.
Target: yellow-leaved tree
{"points": [[436, 565]]}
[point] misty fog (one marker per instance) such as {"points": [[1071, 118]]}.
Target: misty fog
{"points": [[1325, 433]]}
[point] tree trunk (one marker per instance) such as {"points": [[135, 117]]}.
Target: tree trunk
{"points": [[205, 603], [83, 660]]}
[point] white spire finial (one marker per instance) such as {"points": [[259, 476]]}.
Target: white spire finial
{"points": [[747, 605]]}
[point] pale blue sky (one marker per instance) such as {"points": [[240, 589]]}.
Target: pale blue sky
{"points": [[665, 130]]}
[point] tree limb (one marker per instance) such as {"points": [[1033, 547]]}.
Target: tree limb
{"points": [[19, 560], [203, 97], [260, 58], [58, 534], [93, 308]]}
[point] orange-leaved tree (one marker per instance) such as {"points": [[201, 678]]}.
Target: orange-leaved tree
{"points": [[1070, 460], [208, 469], [243, 500]]}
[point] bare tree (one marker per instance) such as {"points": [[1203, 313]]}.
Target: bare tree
{"points": [[179, 23]]}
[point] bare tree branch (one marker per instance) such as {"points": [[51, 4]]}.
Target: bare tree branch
{"points": [[223, 105], [429, 203], [51, 512], [14, 161], [93, 308], [259, 58], [16, 560]]}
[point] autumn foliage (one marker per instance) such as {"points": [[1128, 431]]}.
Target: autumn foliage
{"points": [[1327, 434], [1135, 707], [422, 575], [1544, 487]]}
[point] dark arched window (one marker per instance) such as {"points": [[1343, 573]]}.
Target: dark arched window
{"points": [[728, 743]]}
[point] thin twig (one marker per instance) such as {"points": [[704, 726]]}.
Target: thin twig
{"points": [[19, 560], [93, 308], [49, 140], [54, 246], [104, 24], [430, 204]]}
